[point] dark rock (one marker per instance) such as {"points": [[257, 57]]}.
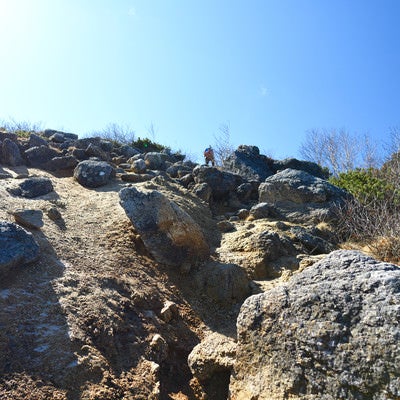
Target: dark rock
{"points": [[79, 154], [39, 156], [265, 210], [307, 166], [203, 191], [29, 218], [225, 226], [10, 153], [223, 184], [57, 138], [313, 244], [96, 151], [59, 163], [36, 141], [249, 163], [128, 151], [93, 174], [17, 247], [135, 178], [33, 187]]}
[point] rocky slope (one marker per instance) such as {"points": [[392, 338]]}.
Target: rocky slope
{"points": [[131, 275]]}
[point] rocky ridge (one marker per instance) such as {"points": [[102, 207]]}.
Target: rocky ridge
{"points": [[136, 266]]}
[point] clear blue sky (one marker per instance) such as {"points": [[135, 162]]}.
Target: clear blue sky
{"points": [[271, 69]]}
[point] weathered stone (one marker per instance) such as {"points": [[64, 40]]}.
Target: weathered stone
{"points": [[215, 354], [11, 154], [139, 166], [265, 210], [249, 163], [17, 247], [57, 137], [169, 311], [92, 174], [301, 197], [36, 141], [203, 191], [225, 226], [168, 232], [307, 166], [135, 178], [155, 161], [128, 151], [226, 284], [260, 251], [223, 184], [96, 151], [64, 162], [331, 332], [39, 156], [311, 242], [29, 218], [33, 187]]}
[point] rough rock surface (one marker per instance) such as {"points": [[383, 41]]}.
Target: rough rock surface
{"points": [[17, 246], [224, 283], [300, 196], [330, 333], [33, 187], [216, 353], [92, 174], [29, 218], [248, 162], [169, 233], [307, 166], [10, 153]]}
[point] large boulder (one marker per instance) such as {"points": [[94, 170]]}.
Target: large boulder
{"points": [[168, 232], [300, 196], [249, 163], [10, 153], [223, 184], [17, 247], [331, 332], [92, 174]]}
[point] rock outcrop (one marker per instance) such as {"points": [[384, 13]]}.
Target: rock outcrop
{"points": [[331, 332]]}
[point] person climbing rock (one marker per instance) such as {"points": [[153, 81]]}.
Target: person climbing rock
{"points": [[209, 156]]}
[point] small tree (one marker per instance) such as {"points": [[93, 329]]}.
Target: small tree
{"points": [[117, 133], [223, 147], [338, 150]]}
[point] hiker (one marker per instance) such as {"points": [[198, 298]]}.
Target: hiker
{"points": [[209, 156]]}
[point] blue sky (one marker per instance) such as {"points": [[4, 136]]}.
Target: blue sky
{"points": [[271, 69]]}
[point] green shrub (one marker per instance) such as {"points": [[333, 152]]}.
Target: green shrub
{"points": [[365, 185], [147, 145]]}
